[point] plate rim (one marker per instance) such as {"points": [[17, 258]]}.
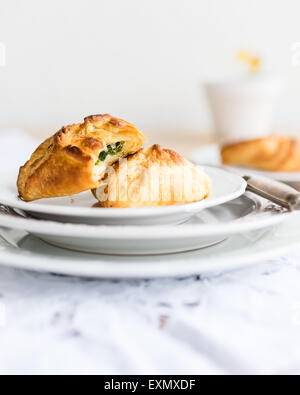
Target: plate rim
{"points": [[124, 213], [111, 270], [154, 232]]}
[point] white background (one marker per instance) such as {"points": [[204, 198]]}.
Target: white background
{"points": [[138, 59]]}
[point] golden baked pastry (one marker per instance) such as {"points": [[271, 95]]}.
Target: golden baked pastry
{"points": [[272, 153], [152, 177], [75, 158]]}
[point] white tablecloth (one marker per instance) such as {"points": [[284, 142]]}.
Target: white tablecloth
{"points": [[246, 321]]}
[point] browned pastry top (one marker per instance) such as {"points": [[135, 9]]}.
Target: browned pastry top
{"points": [[66, 163]]}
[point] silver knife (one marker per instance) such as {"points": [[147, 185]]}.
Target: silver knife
{"points": [[275, 191], [13, 237], [278, 192]]}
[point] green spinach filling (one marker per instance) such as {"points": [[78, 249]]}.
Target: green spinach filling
{"points": [[111, 150]]}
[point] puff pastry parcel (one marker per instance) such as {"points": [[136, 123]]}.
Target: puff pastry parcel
{"points": [[152, 177], [75, 158], [272, 153]]}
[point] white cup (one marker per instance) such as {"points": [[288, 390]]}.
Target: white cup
{"points": [[243, 109]]}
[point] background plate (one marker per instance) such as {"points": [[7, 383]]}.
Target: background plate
{"points": [[210, 155]]}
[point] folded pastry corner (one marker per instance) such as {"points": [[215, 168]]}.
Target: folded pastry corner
{"points": [[75, 158], [152, 177]]}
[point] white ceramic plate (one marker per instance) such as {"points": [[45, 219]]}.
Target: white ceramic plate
{"points": [[207, 228], [210, 155], [79, 208], [236, 252]]}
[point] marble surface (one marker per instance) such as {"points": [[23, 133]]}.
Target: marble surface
{"points": [[246, 321]]}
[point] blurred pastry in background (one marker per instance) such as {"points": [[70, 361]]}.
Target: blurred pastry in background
{"points": [[273, 153], [152, 177]]}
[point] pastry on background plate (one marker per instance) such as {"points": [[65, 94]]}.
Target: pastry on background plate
{"points": [[75, 158], [152, 177], [273, 153]]}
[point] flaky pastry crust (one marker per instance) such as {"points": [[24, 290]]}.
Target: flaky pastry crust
{"points": [[273, 153], [67, 163], [152, 177]]}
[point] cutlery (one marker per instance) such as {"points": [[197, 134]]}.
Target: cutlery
{"points": [[280, 193], [275, 191], [12, 236]]}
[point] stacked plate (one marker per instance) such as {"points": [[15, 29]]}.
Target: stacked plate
{"points": [[73, 236]]}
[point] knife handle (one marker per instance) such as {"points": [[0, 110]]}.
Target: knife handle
{"points": [[275, 191]]}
